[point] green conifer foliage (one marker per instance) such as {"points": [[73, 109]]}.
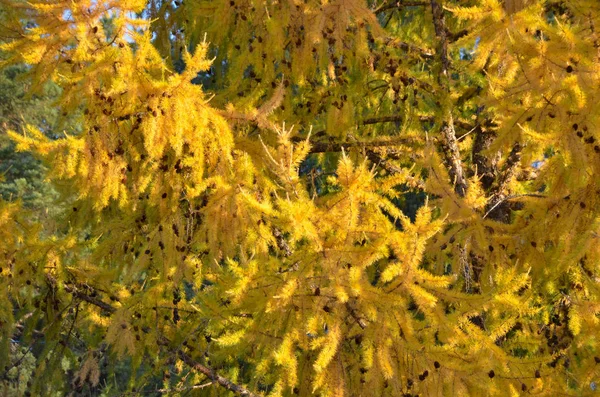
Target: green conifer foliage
{"points": [[23, 175]]}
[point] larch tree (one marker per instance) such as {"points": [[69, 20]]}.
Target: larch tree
{"points": [[241, 198]]}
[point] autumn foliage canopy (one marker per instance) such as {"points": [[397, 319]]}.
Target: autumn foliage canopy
{"points": [[334, 198]]}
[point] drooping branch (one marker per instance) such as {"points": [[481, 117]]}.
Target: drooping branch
{"points": [[189, 361]]}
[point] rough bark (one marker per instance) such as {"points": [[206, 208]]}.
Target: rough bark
{"points": [[452, 153], [499, 207], [486, 167]]}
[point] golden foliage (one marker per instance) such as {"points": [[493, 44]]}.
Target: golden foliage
{"points": [[202, 228]]}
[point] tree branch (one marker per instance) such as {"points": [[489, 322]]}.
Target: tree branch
{"points": [[89, 299], [452, 37], [486, 167], [404, 46], [209, 372], [282, 243], [399, 5], [499, 194], [383, 119], [361, 323], [511, 198], [423, 119], [439, 22], [452, 153], [393, 119], [181, 389], [332, 147]]}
